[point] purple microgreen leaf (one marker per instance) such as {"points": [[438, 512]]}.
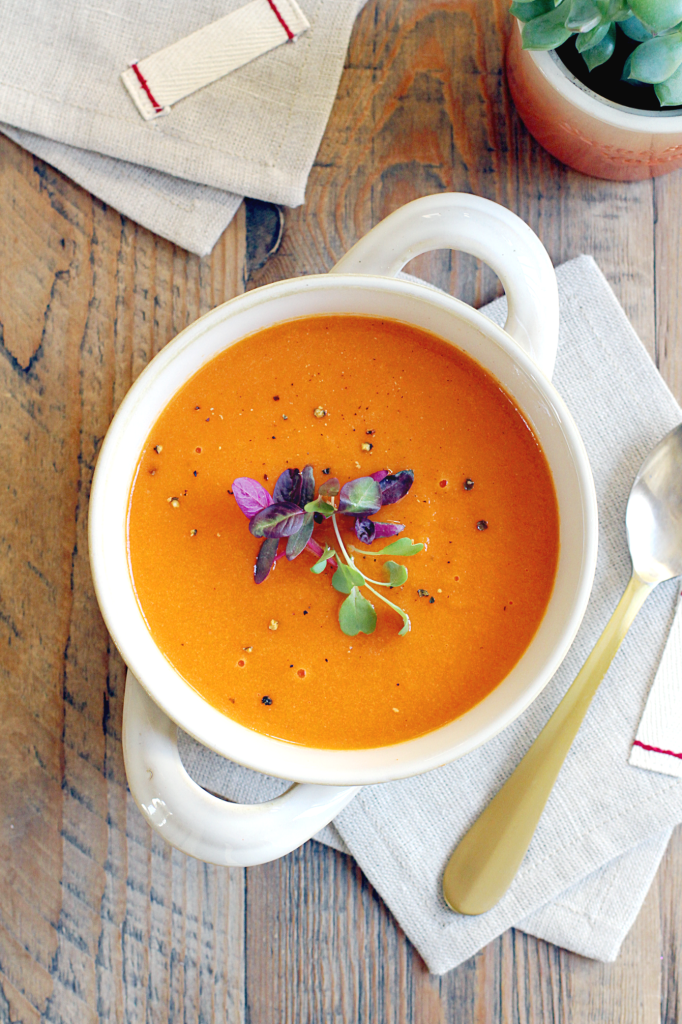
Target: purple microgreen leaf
{"points": [[387, 530], [329, 488], [360, 497], [380, 475], [397, 574], [357, 615], [299, 541], [288, 486], [367, 530], [265, 560], [307, 486], [395, 486], [278, 520], [321, 563], [402, 547], [250, 495], [323, 507], [346, 577]]}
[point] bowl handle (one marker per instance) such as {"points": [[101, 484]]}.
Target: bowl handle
{"points": [[457, 220], [202, 825]]}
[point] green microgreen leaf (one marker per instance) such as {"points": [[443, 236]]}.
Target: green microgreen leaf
{"points": [[321, 563], [403, 546], [323, 507], [357, 615], [346, 578], [299, 540], [329, 488], [360, 497], [397, 574]]}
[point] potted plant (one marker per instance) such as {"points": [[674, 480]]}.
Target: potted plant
{"points": [[599, 83]]}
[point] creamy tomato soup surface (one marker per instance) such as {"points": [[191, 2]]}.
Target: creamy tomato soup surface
{"points": [[475, 595]]}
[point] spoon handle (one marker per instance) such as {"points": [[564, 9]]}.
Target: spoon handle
{"points": [[485, 862]]}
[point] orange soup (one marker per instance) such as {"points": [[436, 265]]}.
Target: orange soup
{"points": [[349, 395]]}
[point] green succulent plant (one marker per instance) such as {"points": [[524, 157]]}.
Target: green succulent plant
{"points": [[655, 24]]}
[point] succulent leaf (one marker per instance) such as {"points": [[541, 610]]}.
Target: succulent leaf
{"points": [[601, 52], [658, 15], [548, 31], [526, 10], [583, 16], [657, 59], [634, 29], [588, 39], [670, 92]]}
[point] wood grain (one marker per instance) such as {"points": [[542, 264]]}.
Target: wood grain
{"points": [[99, 920]]}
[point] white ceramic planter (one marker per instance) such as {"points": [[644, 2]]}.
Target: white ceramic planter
{"points": [[584, 130], [521, 357]]}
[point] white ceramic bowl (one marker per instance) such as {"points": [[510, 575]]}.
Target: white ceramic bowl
{"points": [[192, 819]]}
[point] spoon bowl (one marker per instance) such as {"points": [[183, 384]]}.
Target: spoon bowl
{"points": [[654, 512]]}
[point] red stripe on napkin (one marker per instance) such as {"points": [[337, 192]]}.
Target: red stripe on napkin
{"points": [[656, 750], [145, 85], [290, 34]]}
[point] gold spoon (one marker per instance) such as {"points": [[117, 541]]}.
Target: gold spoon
{"points": [[485, 863]]}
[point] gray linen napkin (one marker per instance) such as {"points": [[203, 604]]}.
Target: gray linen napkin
{"points": [[607, 823], [254, 132]]}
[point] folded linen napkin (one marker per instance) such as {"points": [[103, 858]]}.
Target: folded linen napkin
{"points": [[254, 132], [606, 825]]}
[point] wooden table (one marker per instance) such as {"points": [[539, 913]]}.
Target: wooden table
{"points": [[99, 920]]}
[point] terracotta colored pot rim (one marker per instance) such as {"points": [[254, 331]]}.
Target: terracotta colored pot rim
{"points": [[650, 122]]}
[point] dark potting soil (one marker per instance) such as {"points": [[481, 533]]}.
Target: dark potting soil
{"points": [[606, 81]]}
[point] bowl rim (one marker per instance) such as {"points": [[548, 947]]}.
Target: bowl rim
{"points": [[210, 727]]}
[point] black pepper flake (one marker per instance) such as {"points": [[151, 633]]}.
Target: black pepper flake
{"points": [[275, 398], [266, 700], [195, 473], [208, 419], [482, 524], [304, 612], [423, 593], [318, 517], [327, 471], [432, 600], [197, 407], [468, 484], [274, 438], [291, 666], [370, 432]]}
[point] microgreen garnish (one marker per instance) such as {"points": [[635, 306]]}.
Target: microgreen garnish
{"points": [[292, 513], [357, 615], [360, 497]]}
